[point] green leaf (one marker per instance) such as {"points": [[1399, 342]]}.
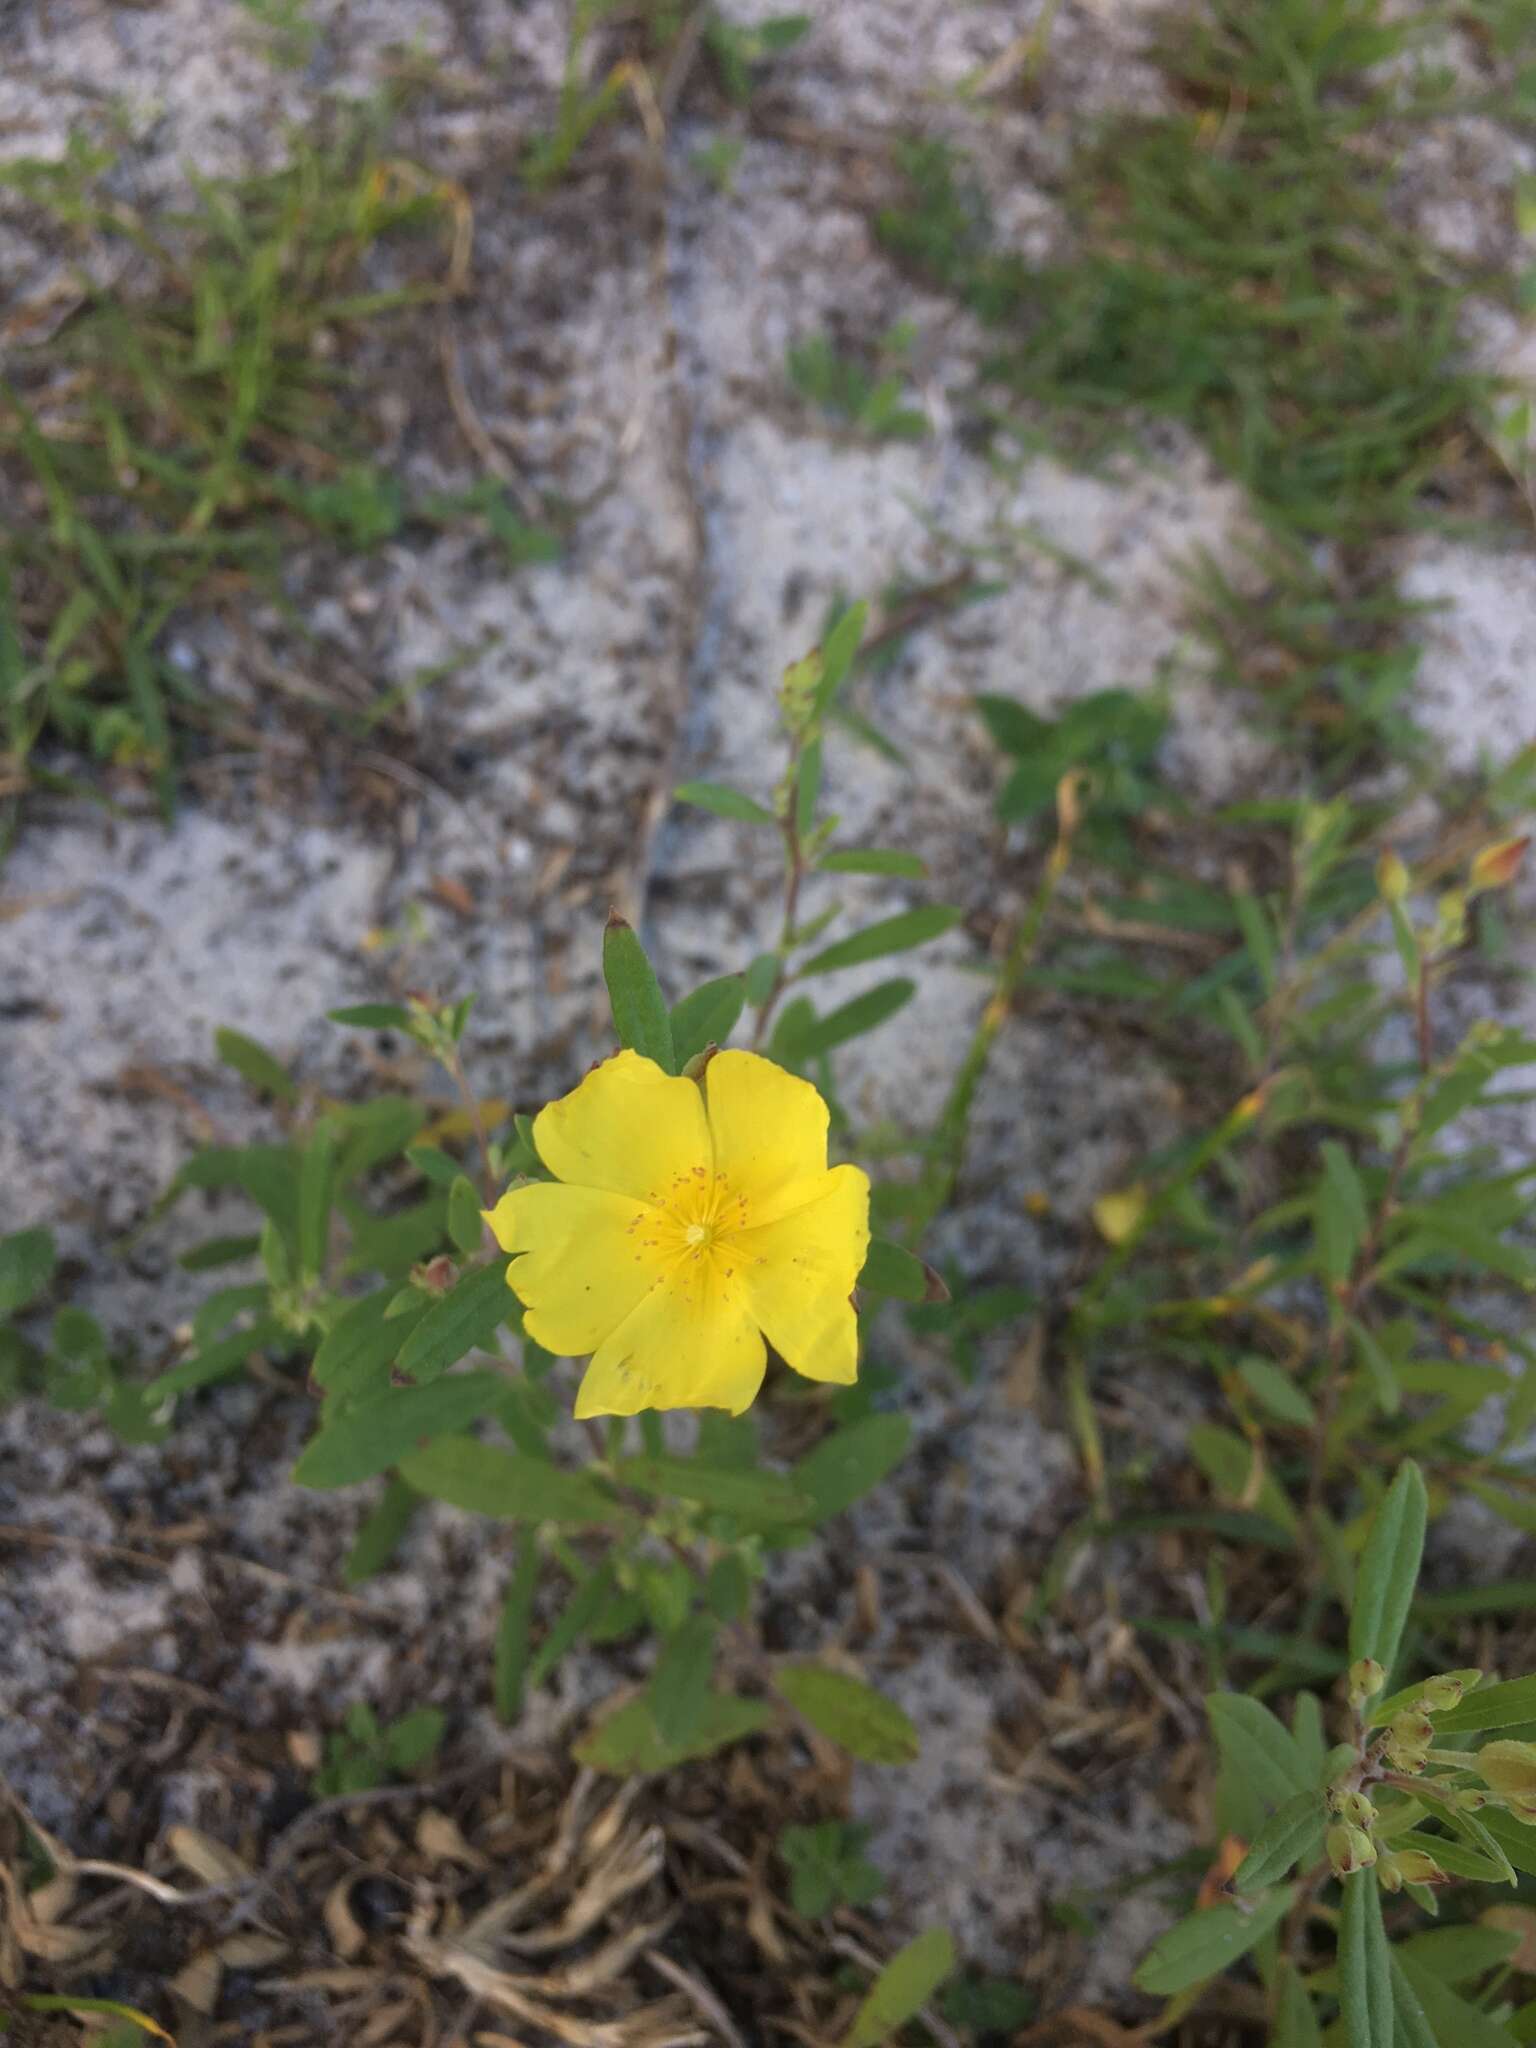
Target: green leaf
{"points": [[891, 935], [724, 802], [852, 1714], [1512, 1839], [1295, 2019], [755, 1496], [362, 1342], [679, 1689], [576, 1617], [1226, 1459], [640, 1016], [849, 1020], [891, 1269], [837, 653], [382, 1428], [1492, 1706], [486, 1481], [902, 1988], [413, 1738], [807, 788], [1293, 1834], [463, 1321], [379, 1537], [628, 1743], [1341, 1216], [26, 1266], [1389, 1570], [1454, 1856], [374, 1017], [728, 1589], [1208, 1941], [852, 1461], [1450, 2018], [255, 1064], [268, 1174], [707, 1017], [513, 1630], [1365, 1965], [1260, 1748], [218, 1251], [317, 1166], [873, 860], [1458, 1954], [1379, 1369], [1411, 2027], [1277, 1392], [466, 1226], [216, 1361]]}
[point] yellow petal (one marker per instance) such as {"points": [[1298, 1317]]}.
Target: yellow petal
{"points": [[629, 1128], [688, 1345], [584, 1263], [800, 1271], [770, 1132]]}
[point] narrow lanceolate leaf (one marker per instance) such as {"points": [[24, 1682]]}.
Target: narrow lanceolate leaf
{"points": [[217, 1361], [1341, 1216], [891, 1269], [852, 1714], [1389, 1570], [707, 1017], [26, 1267], [902, 1989], [1293, 1834], [510, 1675], [485, 1481], [891, 935], [379, 1537], [1260, 1749], [382, 1428], [317, 1169], [1379, 1369], [373, 1016], [466, 1225], [640, 1017], [724, 801], [753, 1495], [850, 1020], [1296, 2024], [873, 860], [1410, 2021], [1451, 2020], [362, 1344], [1365, 1966], [461, 1322], [628, 1743], [1208, 1941], [255, 1064], [679, 1689], [1496, 1706], [837, 653], [851, 1461]]}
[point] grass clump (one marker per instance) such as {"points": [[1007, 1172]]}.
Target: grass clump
{"points": [[181, 423]]}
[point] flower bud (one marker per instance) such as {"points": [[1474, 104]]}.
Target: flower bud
{"points": [[1442, 1691], [1366, 1678], [1409, 1866], [1508, 1767], [1356, 1809], [1467, 1799], [1392, 877], [1349, 1849], [1497, 866], [1409, 1738]]}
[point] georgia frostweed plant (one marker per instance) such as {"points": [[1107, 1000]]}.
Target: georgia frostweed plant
{"points": [[669, 1217]]}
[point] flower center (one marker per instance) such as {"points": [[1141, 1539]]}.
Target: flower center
{"points": [[695, 1234]]}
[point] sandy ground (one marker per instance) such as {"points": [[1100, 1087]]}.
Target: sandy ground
{"points": [[628, 334]]}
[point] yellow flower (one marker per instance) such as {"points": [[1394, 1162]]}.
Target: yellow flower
{"points": [[687, 1220]]}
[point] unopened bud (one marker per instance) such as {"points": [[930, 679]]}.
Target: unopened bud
{"points": [[1497, 866], [1467, 1799], [1508, 1768], [1408, 1866], [1392, 877], [1366, 1678], [1442, 1691], [1357, 1809], [1349, 1849]]}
